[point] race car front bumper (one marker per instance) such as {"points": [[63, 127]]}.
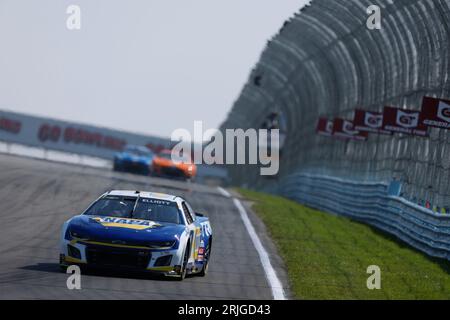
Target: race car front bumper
{"points": [[167, 262]]}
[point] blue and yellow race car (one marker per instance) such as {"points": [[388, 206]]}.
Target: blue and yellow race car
{"points": [[140, 231], [134, 159]]}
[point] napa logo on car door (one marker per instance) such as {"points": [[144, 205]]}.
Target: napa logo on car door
{"points": [[126, 223]]}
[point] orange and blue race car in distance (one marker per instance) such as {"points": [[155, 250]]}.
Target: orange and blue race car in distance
{"points": [[164, 165], [138, 231]]}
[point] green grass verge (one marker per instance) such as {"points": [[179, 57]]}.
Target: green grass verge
{"points": [[327, 256]]}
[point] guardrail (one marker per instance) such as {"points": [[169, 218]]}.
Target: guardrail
{"points": [[371, 203], [53, 155]]}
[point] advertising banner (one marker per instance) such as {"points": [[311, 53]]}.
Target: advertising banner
{"points": [[369, 121], [404, 121], [346, 130], [324, 127], [436, 113], [70, 136]]}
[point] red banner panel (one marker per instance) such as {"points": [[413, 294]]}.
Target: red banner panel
{"points": [[436, 112], [346, 130], [325, 127], [9, 125], [369, 121], [404, 121]]}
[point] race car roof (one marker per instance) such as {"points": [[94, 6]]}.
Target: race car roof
{"points": [[143, 194]]}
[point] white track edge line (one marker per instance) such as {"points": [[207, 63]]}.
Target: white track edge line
{"points": [[274, 282], [224, 192]]}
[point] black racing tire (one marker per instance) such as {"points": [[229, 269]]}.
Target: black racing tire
{"points": [[116, 167], [183, 271], [204, 271]]}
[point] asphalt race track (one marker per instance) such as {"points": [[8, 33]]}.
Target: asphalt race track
{"points": [[37, 196]]}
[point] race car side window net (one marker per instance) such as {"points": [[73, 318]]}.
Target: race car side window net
{"points": [[187, 214], [135, 205]]}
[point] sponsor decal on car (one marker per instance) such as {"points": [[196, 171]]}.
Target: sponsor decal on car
{"points": [[201, 252], [126, 223], [157, 201], [206, 228]]}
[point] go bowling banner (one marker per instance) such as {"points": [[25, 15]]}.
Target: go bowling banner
{"points": [[404, 121], [345, 129], [369, 121], [324, 127], [436, 112]]}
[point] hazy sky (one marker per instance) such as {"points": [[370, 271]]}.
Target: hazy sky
{"points": [[147, 66]]}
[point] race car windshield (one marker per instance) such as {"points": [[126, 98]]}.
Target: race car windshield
{"points": [[140, 151], [145, 209], [167, 156], [175, 158], [157, 210], [120, 207]]}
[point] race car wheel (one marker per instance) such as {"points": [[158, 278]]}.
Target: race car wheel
{"points": [[62, 266], [185, 262], [206, 259]]}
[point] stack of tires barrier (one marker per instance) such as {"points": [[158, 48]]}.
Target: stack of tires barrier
{"points": [[325, 61]]}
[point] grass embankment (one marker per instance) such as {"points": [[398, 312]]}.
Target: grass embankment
{"points": [[327, 256]]}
